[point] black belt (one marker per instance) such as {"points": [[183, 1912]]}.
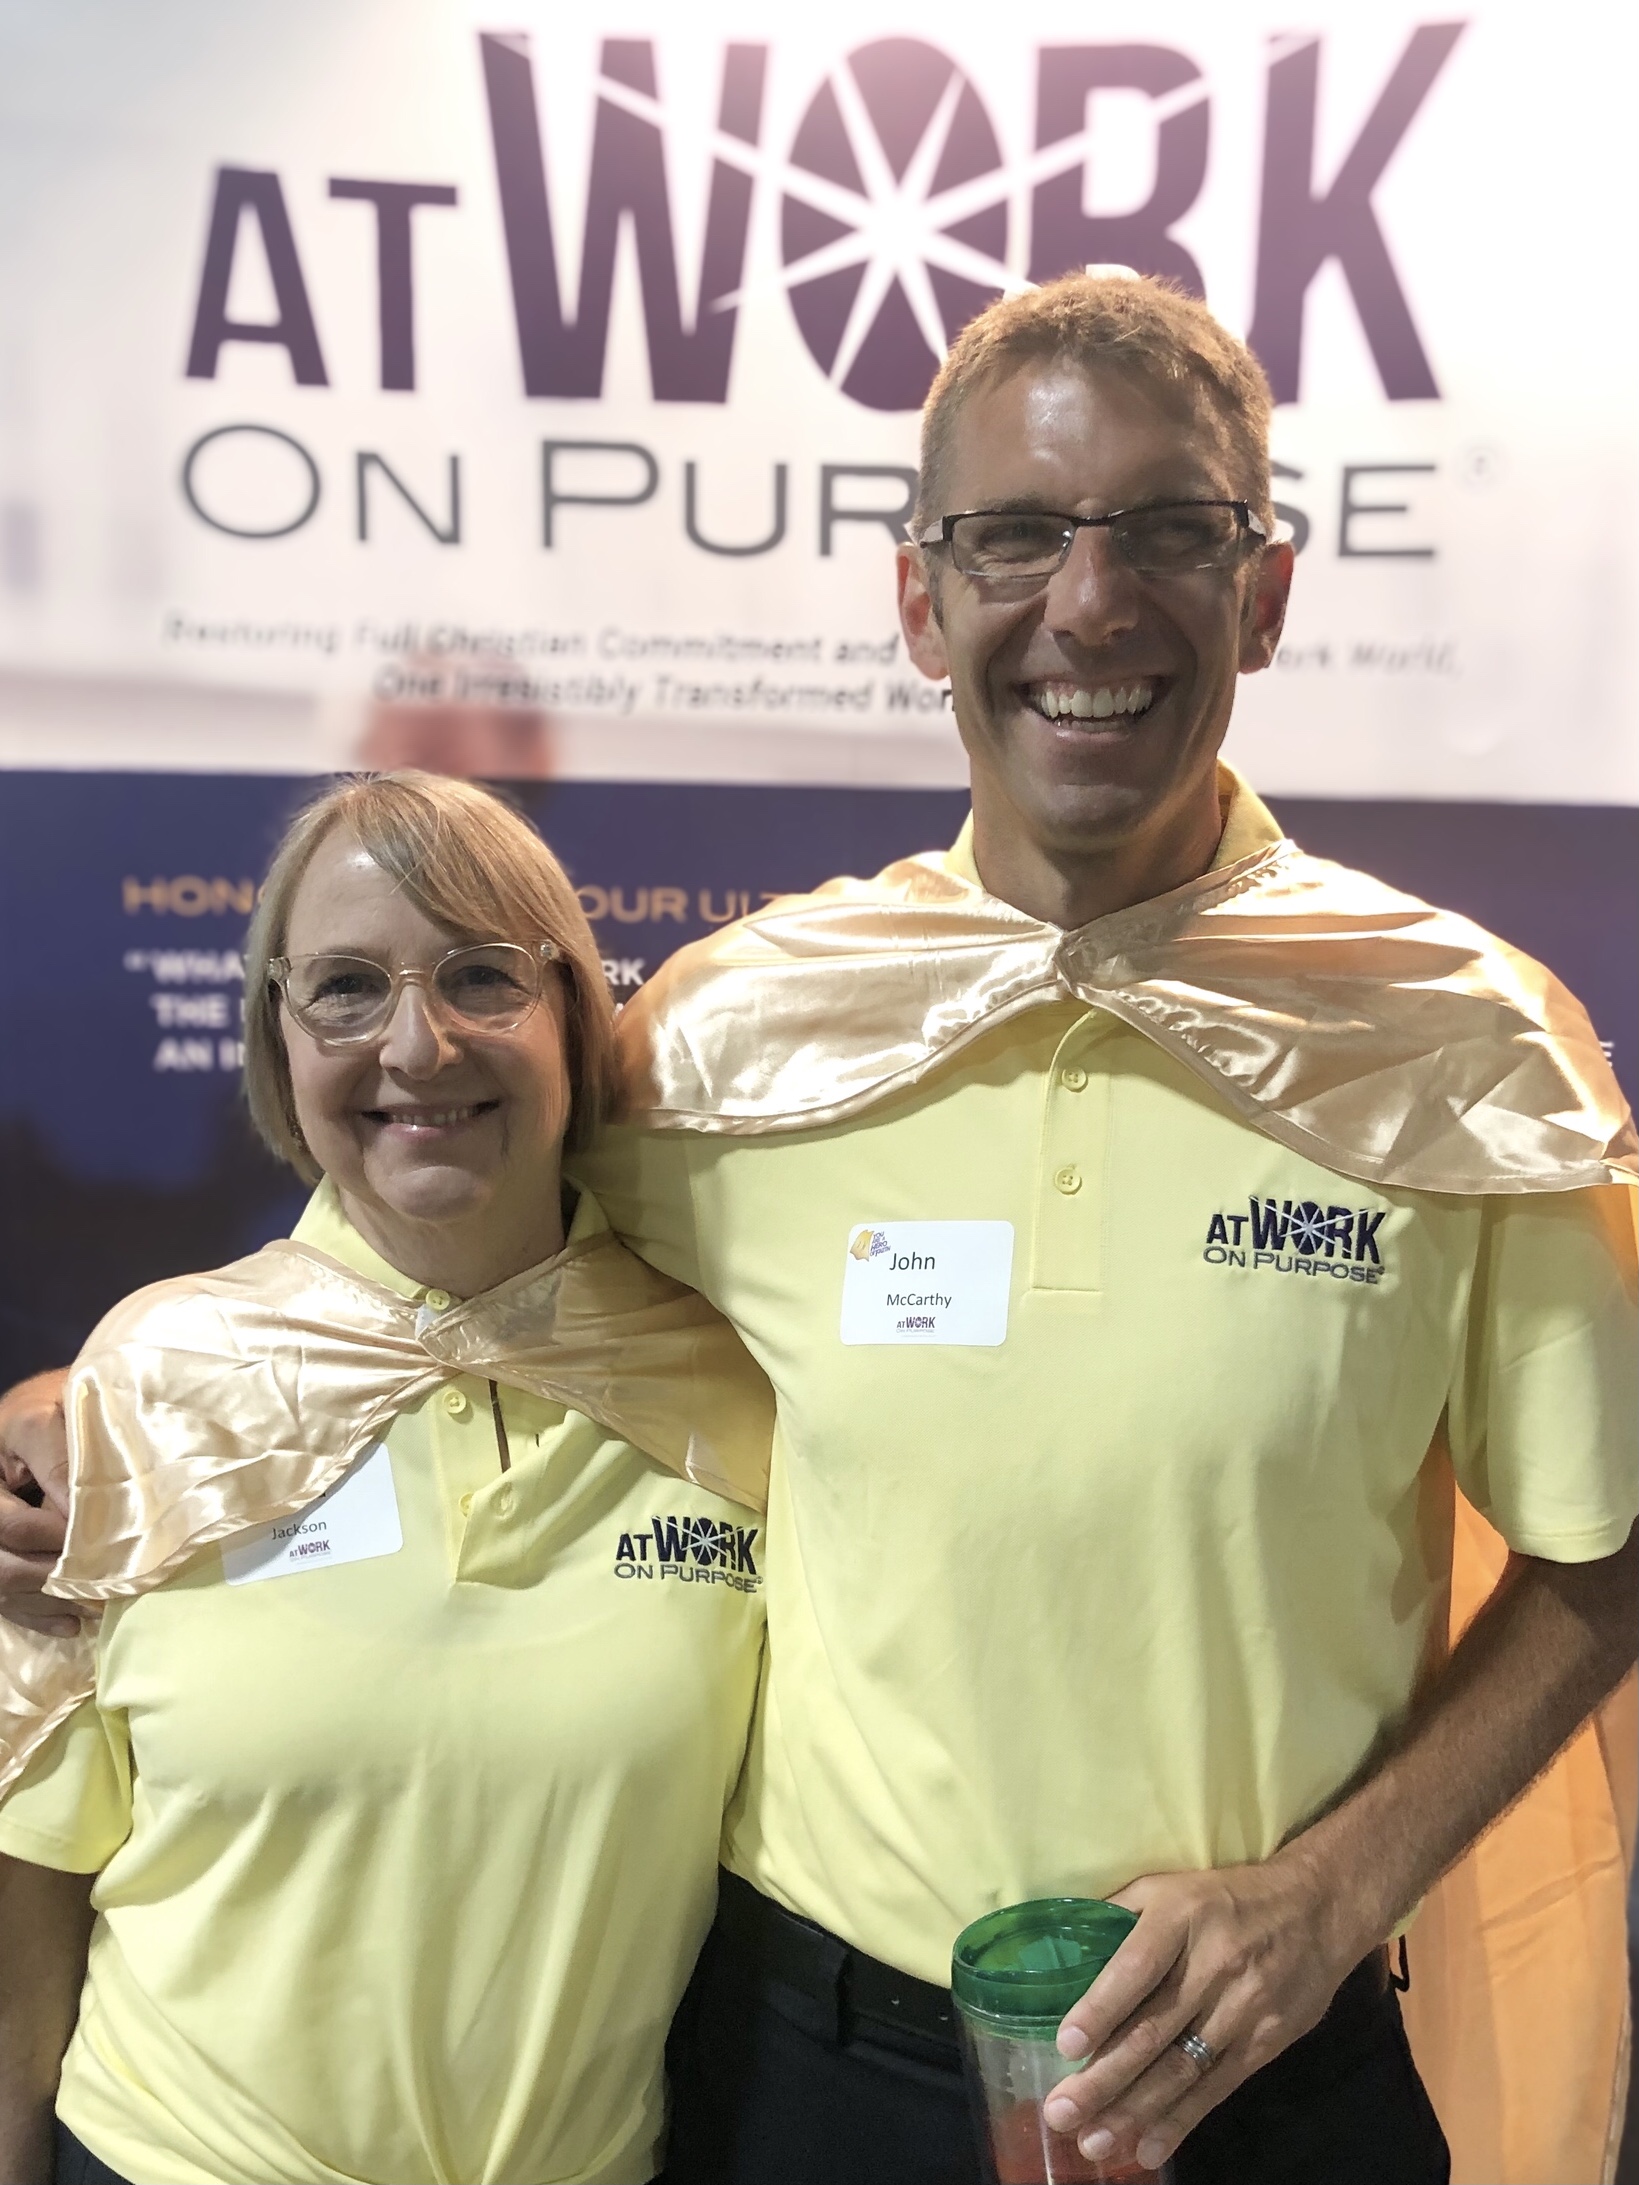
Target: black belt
{"points": [[849, 1988], [796, 1954]]}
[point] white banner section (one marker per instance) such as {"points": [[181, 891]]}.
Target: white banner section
{"points": [[547, 378]]}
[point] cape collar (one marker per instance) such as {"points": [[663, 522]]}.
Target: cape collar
{"points": [[214, 1403], [1380, 1037]]}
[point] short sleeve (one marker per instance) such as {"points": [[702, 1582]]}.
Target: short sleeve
{"points": [[71, 1806], [643, 1181], [1545, 1418]]}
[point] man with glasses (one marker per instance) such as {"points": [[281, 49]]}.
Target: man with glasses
{"points": [[1140, 1222]]}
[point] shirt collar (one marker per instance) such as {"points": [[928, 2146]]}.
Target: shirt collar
{"points": [[1248, 826], [325, 1226]]}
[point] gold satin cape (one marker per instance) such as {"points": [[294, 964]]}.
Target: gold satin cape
{"points": [[1382, 1038], [1386, 1040], [207, 1405]]}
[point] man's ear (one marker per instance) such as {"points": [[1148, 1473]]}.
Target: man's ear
{"points": [[919, 612], [1264, 615]]}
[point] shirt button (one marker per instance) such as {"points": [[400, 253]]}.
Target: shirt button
{"points": [[503, 1500], [1073, 1079], [1068, 1180], [455, 1403], [466, 1505], [438, 1300]]}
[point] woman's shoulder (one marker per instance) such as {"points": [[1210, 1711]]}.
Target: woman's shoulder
{"points": [[270, 1279]]}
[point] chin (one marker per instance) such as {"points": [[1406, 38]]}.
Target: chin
{"points": [[432, 1194], [1094, 816]]}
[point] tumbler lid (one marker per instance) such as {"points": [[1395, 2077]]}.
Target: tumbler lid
{"points": [[1034, 1960]]}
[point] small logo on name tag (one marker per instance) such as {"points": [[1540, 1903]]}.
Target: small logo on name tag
{"points": [[355, 1521]]}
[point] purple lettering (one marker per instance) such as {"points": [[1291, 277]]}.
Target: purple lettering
{"points": [[1299, 230], [395, 289], [1063, 237], [240, 190], [563, 354]]}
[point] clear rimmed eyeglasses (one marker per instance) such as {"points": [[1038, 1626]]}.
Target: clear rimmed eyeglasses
{"points": [[489, 986], [1160, 539]]}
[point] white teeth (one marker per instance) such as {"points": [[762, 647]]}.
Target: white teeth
{"points": [[1078, 703]]}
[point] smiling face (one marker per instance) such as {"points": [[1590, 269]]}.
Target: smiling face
{"points": [[1092, 705], [444, 1142]]}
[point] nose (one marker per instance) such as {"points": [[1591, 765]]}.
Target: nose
{"points": [[416, 1039], [1093, 598]]}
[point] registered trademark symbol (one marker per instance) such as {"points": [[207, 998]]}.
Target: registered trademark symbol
{"points": [[1481, 465]]}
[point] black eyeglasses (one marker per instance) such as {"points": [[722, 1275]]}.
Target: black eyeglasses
{"points": [[1161, 539]]}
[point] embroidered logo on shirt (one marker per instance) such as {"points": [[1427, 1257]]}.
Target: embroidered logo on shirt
{"points": [[1299, 1238], [692, 1550]]}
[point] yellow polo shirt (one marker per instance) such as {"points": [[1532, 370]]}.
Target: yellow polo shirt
{"points": [[1129, 1573], [402, 1864]]}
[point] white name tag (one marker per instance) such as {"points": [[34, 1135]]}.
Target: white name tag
{"points": [[358, 1519], [927, 1282]]}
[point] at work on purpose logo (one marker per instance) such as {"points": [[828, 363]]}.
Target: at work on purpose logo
{"points": [[691, 1550], [1303, 1238]]}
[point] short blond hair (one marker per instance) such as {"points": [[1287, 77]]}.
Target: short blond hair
{"points": [[1146, 329], [471, 863]]}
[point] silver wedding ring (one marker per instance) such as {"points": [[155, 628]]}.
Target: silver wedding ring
{"points": [[1200, 2053]]}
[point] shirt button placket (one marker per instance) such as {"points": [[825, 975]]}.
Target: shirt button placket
{"points": [[1068, 1220]]}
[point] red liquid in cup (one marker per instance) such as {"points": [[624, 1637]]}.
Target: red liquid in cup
{"points": [[1027, 2151]]}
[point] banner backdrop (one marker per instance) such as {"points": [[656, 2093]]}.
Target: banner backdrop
{"points": [[567, 361]]}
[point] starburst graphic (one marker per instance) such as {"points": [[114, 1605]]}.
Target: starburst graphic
{"points": [[894, 225], [704, 1541], [899, 218], [1308, 1227]]}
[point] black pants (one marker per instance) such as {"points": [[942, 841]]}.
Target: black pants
{"points": [[77, 2165], [778, 2080]]}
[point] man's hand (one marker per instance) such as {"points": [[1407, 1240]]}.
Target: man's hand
{"points": [[1246, 1958], [33, 1502]]}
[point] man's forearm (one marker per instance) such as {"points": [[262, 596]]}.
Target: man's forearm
{"points": [[1552, 1641], [46, 1920]]}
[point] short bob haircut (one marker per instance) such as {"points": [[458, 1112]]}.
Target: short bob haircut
{"points": [[470, 863], [1147, 330]]}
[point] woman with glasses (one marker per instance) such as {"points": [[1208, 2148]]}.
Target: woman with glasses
{"points": [[387, 1796]]}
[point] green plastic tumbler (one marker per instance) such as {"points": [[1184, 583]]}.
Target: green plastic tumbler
{"points": [[1013, 1976]]}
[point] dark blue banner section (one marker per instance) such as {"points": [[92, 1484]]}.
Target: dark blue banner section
{"points": [[124, 1153]]}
